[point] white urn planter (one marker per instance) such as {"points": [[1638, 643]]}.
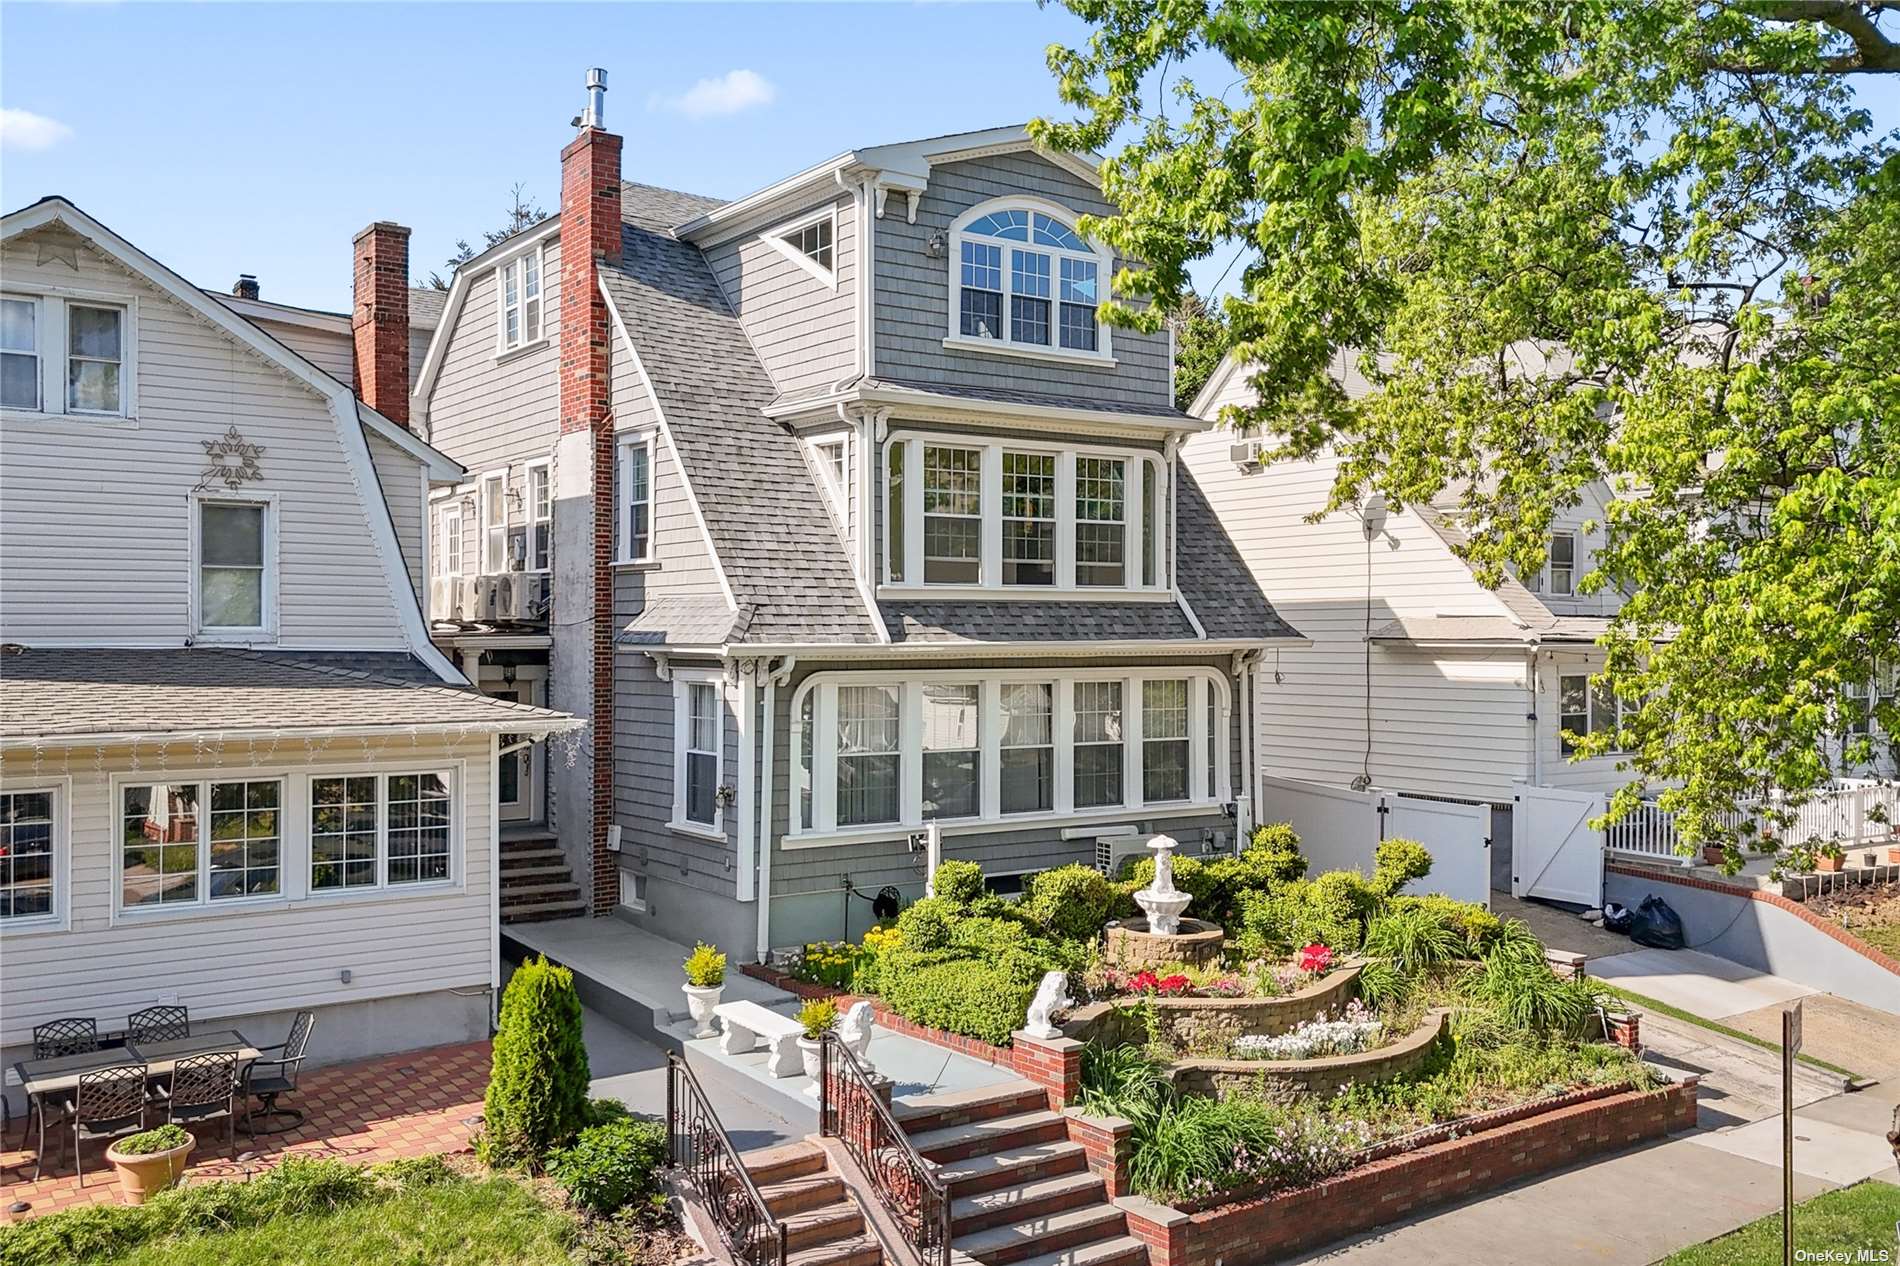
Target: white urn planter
{"points": [[812, 1052], [700, 1001]]}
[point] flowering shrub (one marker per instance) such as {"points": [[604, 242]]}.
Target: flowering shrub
{"points": [[1355, 1030], [1315, 958]]}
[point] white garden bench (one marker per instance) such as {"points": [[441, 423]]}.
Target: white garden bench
{"points": [[748, 1022]]}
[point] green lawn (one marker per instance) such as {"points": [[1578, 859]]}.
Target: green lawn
{"points": [[1848, 1220]]}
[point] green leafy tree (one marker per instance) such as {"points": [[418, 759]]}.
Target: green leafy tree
{"points": [[1642, 244], [523, 213], [1200, 340], [537, 1084]]}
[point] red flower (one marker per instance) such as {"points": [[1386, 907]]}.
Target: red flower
{"points": [[1173, 984], [1315, 958], [1143, 982]]}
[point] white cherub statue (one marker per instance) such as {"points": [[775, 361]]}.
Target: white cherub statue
{"points": [[855, 1032], [1052, 995]]}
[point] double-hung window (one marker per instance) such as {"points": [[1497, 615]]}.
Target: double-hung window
{"points": [[699, 716], [1099, 755], [234, 564], [380, 830], [540, 508], [951, 750], [636, 500], [452, 541], [191, 843], [1025, 279], [1101, 521], [872, 751], [20, 372], [27, 840], [494, 508], [868, 760], [519, 282], [1560, 572], [1585, 709], [95, 355], [953, 515], [972, 512]]}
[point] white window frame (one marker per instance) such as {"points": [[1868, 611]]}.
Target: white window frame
{"points": [[1596, 699], [452, 540], [1104, 260], [1208, 689], [202, 780], [57, 918], [1545, 581], [1142, 467], [837, 488], [682, 717], [532, 516], [52, 333], [779, 240], [273, 569], [37, 305], [497, 564], [623, 500], [518, 260]]}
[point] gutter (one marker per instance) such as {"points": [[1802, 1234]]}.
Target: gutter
{"points": [[123, 738]]}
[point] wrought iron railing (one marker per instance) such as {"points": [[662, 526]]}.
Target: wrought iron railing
{"points": [[697, 1146], [851, 1111]]}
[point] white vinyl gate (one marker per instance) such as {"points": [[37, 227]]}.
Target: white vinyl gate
{"points": [[1555, 852], [1339, 829]]}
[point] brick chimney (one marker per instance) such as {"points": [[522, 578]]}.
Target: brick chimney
{"points": [[245, 287], [590, 237], [379, 319]]}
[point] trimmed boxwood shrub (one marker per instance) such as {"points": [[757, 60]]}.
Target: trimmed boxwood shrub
{"points": [[1397, 862], [960, 994], [958, 883], [537, 1086], [1069, 902], [611, 1165]]}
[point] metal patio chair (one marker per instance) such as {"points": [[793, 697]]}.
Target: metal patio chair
{"points": [[271, 1076], [108, 1103], [73, 1035], [158, 1024], [204, 1088]]}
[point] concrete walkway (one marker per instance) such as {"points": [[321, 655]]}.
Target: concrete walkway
{"points": [[1557, 928], [1701, 984]]}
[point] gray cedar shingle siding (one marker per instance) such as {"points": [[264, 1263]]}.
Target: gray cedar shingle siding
{"points": [[53, 692], [802, 329], [763, 510], [912, 295]]}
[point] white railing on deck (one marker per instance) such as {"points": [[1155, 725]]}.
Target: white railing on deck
{"points": [[1842, 813]]}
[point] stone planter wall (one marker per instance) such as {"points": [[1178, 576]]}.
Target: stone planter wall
{"points": [[1287, 1222], [1316, 1076], [1205, 1022]]}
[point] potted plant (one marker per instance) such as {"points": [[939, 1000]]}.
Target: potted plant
{"points": [[1713, 855], [1831, 858], [818, 1017], [150, 1161], [705, 981]]}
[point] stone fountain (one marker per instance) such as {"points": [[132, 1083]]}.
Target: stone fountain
{"points": [[1163, 936]]}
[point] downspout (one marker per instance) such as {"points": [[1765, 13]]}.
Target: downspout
{"points": [[748, 704], [1530, 718], [494, 883], [1246, 663], [774, 678]]}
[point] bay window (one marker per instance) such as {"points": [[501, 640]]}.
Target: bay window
{"points": [[1024, 279], [883, 750], [1024, 517]]}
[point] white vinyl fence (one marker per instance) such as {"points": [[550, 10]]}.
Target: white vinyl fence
{"points": [[1845, 812], [1339, 829]]}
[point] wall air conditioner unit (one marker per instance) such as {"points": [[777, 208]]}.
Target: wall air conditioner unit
{"points": [[1245, 453]]}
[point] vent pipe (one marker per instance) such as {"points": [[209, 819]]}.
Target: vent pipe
{"points": [[596, 115]]}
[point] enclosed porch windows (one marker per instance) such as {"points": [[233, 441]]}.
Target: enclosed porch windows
{"points": [[898, 750]]}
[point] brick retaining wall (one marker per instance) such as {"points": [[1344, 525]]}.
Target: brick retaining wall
{"points": [[1244, 1232]]}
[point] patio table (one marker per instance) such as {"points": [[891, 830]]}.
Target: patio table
{"points": [[61, 1073]]}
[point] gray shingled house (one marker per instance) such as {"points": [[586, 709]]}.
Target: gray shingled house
{"points": [[840, 513]]}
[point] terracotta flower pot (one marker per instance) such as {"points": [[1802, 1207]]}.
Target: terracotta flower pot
{"points": [[1823, 862], [1893, 855], [1712, 855], [141, 1176]]}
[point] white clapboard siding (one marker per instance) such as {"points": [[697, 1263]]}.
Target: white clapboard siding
{"points": [[1444, 723], [331, 351], [1599, 773], [487, 411], [401, 478], [229, 962], [95, 515]]}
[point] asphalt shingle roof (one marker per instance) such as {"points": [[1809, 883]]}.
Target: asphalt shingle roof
{"points": [[680, 621], [1212, 575], [49, 693], [1104, 403], [767, 518], [1027, 620]]}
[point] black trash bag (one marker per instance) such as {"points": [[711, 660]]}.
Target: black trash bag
{"points": [[1656, 925], [1616, 918]]}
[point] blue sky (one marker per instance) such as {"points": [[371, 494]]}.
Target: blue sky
{"points": [[227, 138]]}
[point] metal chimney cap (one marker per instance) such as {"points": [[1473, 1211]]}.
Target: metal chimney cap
{"points": [[597, 78]]}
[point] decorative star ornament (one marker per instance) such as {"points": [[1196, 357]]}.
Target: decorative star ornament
{"points": [[59, 248], [231, 461]]}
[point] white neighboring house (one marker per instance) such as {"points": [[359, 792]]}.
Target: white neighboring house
{"points": [[234, 773], [1415, 676]]}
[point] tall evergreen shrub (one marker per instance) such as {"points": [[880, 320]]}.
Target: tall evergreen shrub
{"points": [[537, 1086]]}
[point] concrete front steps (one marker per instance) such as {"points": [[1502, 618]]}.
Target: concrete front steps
{"points": [[824, 1226], [1021, 1193], [536, 883]]}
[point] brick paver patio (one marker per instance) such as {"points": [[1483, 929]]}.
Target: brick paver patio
{"points": [[413, 1104]]}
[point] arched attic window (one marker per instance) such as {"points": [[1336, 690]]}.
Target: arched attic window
{"points": [[1025, 278]]}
